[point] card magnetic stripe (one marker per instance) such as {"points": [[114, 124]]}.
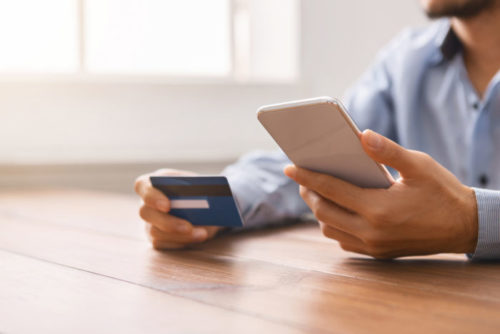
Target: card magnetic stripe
{"points": [[188, 180]]}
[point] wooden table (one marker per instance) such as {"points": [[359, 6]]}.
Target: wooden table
{"points": [[78, 262]]}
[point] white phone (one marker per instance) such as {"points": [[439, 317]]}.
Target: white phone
{"points": [[319, 135]]}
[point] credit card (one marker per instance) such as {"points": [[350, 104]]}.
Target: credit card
{"points": [[201, 200]]}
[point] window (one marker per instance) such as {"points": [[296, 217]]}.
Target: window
{"points": [[266, 39], [245, 40], [38, 36], [181, 37]]}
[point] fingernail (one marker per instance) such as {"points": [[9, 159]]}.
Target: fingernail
{"points": [[162, 205], [199, 234], [182, 228], [372, 139], [290, 171]]}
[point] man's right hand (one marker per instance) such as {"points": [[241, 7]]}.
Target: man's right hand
{"points": [[164, 230]]}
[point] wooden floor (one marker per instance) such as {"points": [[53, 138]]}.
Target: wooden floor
{"points": [[77, 262]]}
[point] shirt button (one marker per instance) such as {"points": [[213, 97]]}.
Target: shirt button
{"points": [[483, 180], [475, 105]]}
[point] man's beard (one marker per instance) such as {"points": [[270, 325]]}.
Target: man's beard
{"points": [[460, 9]]}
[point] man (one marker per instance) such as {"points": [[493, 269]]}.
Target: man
{"points": [[435, 90]]}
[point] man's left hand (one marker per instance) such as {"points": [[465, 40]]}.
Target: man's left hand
{"points": [[426, 211]]}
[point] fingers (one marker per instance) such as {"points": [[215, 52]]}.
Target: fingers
{"points": [[353, 232], [383, 150], [347, 241], [152, 197], [212, 230], [166, 231], [160, 243], [169, 232], [330, 214], [336, 190], [339, 235], [165, 222], [176, 240], [350, 243]]}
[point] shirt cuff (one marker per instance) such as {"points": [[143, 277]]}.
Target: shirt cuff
{"points": [[243, 194], [488, 212]]}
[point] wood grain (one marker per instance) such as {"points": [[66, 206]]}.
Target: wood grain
{"points": [[38, 297], [288, 279]]}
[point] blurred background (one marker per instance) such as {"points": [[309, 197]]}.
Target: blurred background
{"points": [[96, 92]]}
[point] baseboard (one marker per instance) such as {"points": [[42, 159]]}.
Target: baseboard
{"points": [[117, 177]]}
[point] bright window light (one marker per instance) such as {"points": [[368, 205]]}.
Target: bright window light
{"points": [[275, 39], [242, 40], [38, 36], [176, 37], [267, 40]]}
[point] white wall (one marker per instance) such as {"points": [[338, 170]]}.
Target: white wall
{"points": [[110, 122]]}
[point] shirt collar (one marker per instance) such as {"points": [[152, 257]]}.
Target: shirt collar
{"points": [[447, 43]]}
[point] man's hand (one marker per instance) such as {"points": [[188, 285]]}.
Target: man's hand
{"points": [[425, 211], [166, 231]]}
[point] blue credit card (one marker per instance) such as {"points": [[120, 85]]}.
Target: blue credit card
{"points": [[201, 200]]}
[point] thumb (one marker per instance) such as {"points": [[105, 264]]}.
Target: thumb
{"points": [[387, 152]]}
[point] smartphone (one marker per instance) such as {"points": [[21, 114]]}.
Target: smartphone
{"points": [[318, 134]]}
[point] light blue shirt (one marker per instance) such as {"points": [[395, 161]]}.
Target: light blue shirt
{"points": [[417, 92]]}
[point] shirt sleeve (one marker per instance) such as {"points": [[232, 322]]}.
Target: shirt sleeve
{"points": [[370, 100], [265, 196], [488, 211]]}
